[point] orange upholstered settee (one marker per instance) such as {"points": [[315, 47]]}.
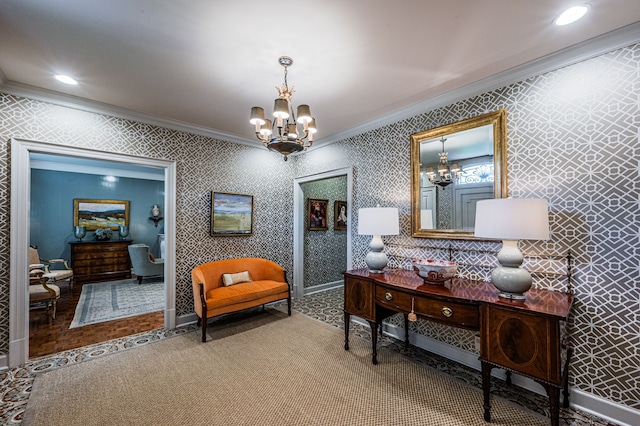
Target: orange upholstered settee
{"points": [[212, 297]]}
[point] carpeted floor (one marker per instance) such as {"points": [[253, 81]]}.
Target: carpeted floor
{"points": [[264, 369], [112, 300], [326, 306]]}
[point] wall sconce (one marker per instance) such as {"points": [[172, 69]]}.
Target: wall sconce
{"points": [[155, 215]]}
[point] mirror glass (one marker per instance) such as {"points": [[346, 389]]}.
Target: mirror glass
{"points": [[452, 168]]}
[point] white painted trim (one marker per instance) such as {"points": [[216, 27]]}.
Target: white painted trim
{"points": [[4, 362], [608, 410], [83, 104], [578, 399], [184, 320], [298, 223], [91, 170], [323, 287], [20, 204], [613, 40]]}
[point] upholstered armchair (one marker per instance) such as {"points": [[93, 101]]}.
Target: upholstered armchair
{"points": [[143, 263], [55, 269], [41, 291]]}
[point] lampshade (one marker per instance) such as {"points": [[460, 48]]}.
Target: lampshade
{"points": [[426, 219], [512, 219], [378, 221], [304, 114]]}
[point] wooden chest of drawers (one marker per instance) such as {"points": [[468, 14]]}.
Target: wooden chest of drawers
{"points": [[100, 260]]}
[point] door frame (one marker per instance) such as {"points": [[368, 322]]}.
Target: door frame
{"points": [[299, 220], [20, 205]]}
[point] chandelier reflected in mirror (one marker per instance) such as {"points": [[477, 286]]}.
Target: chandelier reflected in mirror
{"points": [[445, 175], [287, 139]]}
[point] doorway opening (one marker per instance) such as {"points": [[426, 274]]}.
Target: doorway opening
{"points": [[300, 224], [22, 152]]}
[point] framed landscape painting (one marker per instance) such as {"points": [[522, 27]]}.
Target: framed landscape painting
{"points": [[94, 214], [340, 215], [231, 214], [317, 214]]}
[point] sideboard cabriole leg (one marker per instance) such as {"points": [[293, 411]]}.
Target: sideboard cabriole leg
{"points": [[565, 379], [347, 322], [374, 342], [486, 390]]}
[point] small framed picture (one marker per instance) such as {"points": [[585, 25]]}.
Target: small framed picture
{"points": [[317, 214], [340, 215], [231, 214]]}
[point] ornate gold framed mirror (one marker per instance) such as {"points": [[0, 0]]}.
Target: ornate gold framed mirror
{"points": [[453, 167]]}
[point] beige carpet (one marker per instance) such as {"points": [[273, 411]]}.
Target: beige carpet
{"points": [[262, 369]]}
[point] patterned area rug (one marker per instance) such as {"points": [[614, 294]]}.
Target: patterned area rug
{"points": [[112, 300]]}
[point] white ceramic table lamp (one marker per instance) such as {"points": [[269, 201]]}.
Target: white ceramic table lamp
{"points": [[512, 219], [377, 221]]}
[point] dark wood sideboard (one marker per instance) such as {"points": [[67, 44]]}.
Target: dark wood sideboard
{"points": [[520, 337], [93, 261]]}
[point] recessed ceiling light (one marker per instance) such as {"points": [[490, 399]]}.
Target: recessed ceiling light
{"points": [[572, 14], [65, 79]]}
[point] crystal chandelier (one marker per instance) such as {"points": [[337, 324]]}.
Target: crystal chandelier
{"points": [[445, 175], [287, 140]]}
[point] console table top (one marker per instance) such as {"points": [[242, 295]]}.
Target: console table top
{"points": [[542, 302]]}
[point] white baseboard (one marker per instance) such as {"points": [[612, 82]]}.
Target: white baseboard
{"points": [[601, 407], [4, 362], [323, 287], [186, 319], [584, 401]]}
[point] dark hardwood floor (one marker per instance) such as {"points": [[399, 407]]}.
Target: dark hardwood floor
{"points": [[48, 336]]}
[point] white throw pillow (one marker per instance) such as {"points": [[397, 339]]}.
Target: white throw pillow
{"points": [[239, 277]]}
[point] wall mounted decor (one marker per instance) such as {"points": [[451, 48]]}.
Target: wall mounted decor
{"points": [[317, 214], [340, 215], [231, 214], [94, 214], [444, 207], [155, 215]]}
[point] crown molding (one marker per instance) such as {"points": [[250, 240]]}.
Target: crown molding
{"points": [[569, 56], [84, 104], [588, 49]]}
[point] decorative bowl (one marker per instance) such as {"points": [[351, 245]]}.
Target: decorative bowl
{"points": [[434, 271], [103, 234]]}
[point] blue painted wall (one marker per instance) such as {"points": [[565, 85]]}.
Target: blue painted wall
{"points": [[51, 212]]}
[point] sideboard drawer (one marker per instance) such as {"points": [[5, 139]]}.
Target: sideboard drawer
{"points": [[453, 313]]}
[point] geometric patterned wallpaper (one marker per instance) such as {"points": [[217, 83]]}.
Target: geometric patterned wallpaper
{"points": [[573, 139], [325, 252], [203, 165]]}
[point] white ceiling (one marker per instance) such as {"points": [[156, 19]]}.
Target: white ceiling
{"points": [[205, 63]]}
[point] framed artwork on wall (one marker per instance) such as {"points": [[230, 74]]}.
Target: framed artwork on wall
{"points": [[94, 214], [231, 214], [340, 215], [318, 214]]}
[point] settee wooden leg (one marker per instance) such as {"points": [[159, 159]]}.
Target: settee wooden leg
{"points": [[289, 305], [204, 330], [139, 279]]}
